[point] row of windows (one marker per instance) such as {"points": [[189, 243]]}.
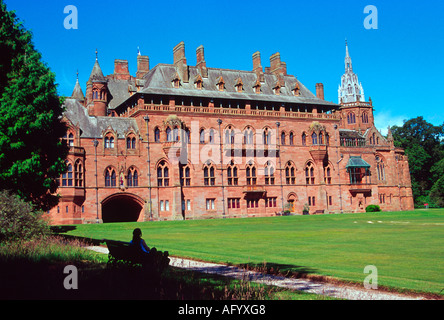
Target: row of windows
{"points": [[74, 175], [351, 118], [247, 136]]}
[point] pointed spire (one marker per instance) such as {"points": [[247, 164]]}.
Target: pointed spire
{"points": [[348, 61], [78, 93], [96, 73]]}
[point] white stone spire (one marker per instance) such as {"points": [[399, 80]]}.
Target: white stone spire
{"points": [[350, 89]]}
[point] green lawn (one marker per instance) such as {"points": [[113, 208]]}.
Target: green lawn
{"points": [[406, 247]]}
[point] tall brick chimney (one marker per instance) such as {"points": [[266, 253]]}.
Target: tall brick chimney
{"points": [[121, 70], [320, 91], [257, 66], [180, 62], [278, 68], [143, 66], [200, 62]]}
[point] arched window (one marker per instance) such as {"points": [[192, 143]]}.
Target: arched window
{"points": [[251, 174], [202, 136], [248, 136], [176, 134], [78, 174], [168, 134], [365, 117], [380, 168], [232, 174], [309, 174], [327, 174], [266, 135], [70, 140], [283, 138], [229, 135], [67, 177], [314, 139], [163, 178], [291, 138], [304, 139], [109, 142], [110, 177], [132, 178], [351, 118], [185, 176], [269, 173], [131, 142], [209, 175], [321, 138], [157, 135], [290, 173], [211, 136]]}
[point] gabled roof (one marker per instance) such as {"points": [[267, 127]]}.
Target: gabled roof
{"points": [[93, 127]]}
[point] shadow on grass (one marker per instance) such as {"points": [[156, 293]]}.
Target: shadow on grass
{"points": [[22, 279], [287, 270]]}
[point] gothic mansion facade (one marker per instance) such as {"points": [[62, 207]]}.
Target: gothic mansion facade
{"points": [[191, 142]]}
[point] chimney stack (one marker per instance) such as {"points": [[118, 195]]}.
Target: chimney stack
{"points": [[200, 61], [278, 68], [143, 66], [180, 62], [257, 66], [320, 91], [121, 70]]}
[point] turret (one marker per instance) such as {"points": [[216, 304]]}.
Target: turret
{"points": [[97, 92]]}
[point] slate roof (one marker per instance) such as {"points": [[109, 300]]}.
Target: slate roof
{"points": [[159, 81], [93, 127], [96, 73]]}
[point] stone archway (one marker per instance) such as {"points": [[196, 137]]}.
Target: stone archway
{"points": [[122, 207]]}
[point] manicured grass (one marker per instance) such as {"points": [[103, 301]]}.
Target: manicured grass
{"points": [[406, 247]]}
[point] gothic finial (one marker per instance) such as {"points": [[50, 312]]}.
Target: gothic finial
{"points": [[97, 54], [138, 51], [77, 74]]}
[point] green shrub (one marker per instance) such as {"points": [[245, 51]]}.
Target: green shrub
{"points": [[19, 220], [373, 208]]}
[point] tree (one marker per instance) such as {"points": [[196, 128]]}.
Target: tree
{"points": [[31, 150], [423, 143]]}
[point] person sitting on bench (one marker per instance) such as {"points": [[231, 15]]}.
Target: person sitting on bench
{"points": [[138, 242]]}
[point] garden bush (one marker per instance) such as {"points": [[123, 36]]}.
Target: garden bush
{"points": [[373, 208], [19, 220]]}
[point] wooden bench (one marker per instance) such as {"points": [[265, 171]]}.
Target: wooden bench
{"points": [[319, 212], [124, 253]]}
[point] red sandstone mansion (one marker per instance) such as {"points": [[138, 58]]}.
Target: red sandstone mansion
{"points": [[192, 142]]}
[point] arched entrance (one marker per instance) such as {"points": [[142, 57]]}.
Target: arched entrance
{"points": [[292, 199], [121, 207]]}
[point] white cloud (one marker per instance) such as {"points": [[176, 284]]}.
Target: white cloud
{"points": [[385, 118]]}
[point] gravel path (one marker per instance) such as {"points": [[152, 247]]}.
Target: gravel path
{"points": [[336, 291]]}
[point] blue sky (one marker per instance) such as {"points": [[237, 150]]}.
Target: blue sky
{"points": [[400, 64]]}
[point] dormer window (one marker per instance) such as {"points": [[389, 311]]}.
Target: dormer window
{"points": [[239, 85], [220, 84], [176, 81], [198, 82], [296, 90], [277, 89], [257, 87]]}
